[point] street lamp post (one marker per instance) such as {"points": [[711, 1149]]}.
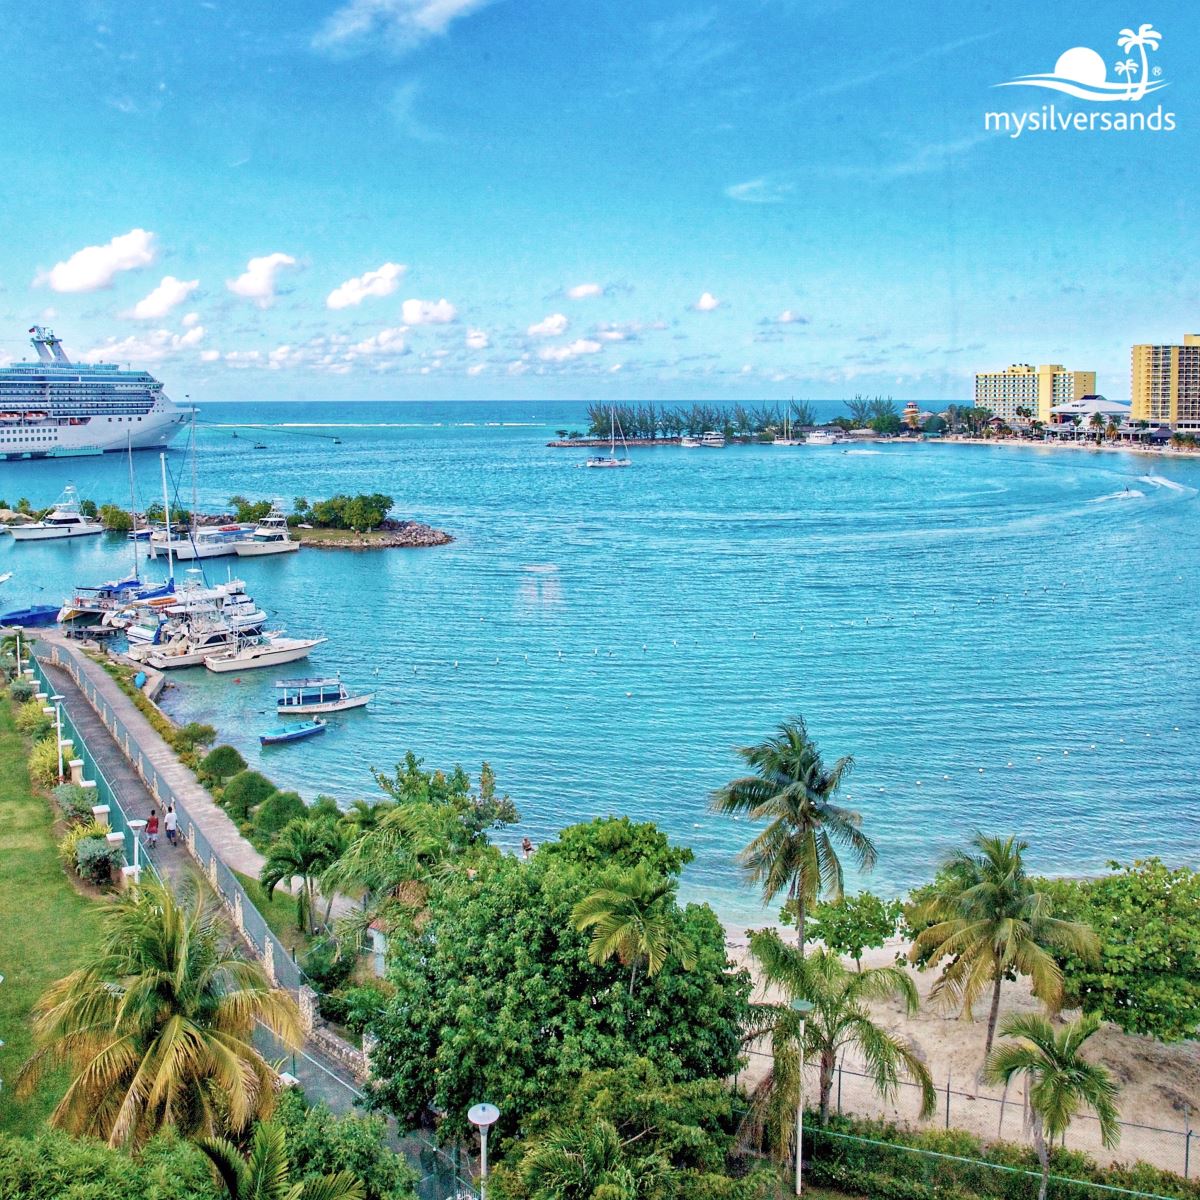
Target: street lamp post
{"points": [[802, 1008], [483, 1117], [136, 827], [57, 701]]}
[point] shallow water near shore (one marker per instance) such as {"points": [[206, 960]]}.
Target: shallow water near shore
{"points": [[1004, 639]]}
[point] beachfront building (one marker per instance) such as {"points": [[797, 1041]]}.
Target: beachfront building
{"points": [[1166, 385], [1076, 418], [1032, 390]]}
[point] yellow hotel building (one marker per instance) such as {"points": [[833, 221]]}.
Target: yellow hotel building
{"points": [[1037, 389], [1166, 384]]}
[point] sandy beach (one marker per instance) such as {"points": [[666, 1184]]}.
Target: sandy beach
{"points": [[1159, 1084]]}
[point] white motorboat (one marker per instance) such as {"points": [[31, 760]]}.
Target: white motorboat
{"points": [[155, 620], [824, 437], [270, 536], [690, 442], [610, 459], [267, 651], [317, 696], [64, 520], [210, 541], [713, 438], [5, 577], [187, 648]]}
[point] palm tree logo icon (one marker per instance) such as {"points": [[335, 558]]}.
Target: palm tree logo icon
{"points": [[1083, 73]]}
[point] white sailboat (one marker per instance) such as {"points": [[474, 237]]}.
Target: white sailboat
{"points": [[611, 459], [787, 439], [64, 520]]}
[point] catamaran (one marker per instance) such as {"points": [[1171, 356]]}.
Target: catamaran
{"points": [[270, 536], [610, 459], [64, 520]]}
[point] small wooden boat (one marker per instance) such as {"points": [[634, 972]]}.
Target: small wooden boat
{"points": [[293, 733]]}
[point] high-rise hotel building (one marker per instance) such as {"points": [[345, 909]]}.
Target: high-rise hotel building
{"points": [[1034, 389], [1166, 384]]}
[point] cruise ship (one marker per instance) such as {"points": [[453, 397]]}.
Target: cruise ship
{"points": [[54, 406]]}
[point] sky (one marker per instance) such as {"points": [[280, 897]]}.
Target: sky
{"points": [[492, 199]]}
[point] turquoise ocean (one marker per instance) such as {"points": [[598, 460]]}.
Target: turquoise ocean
{"points": [[1004, 638]]}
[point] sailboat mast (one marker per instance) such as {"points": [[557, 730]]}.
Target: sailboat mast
{"points": [[132, 501], [162, 458]]}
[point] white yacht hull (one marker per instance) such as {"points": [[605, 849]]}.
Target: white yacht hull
{"points": [[257, 549], [49, 533], [166, 659], [187, 552], [268, 654]]}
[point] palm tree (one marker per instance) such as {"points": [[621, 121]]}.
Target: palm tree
{"points": [[792, 790], [633, 920], [304, 848], [1146, 35], [840, 1018], [1097, 422], [1059, 1080], [157, 1027], [580, 1162], [266, 1173], [988, 920], [1126, 68], [362, 815]]}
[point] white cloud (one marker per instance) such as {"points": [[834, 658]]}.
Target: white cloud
{"points": [[386, 341], [190, 320], [380, 282], [788, 317], [477, 369], [428, 312], [706, 303], [517, 367], [759, 191], [152, 346], [403, 24], [244, 358], [574, 350], [209, 355], [477, 339], [94, 267], [550, 326], [584, 291], [170, 293], [258, 281]]}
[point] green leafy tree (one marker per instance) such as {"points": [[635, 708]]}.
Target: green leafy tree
{"points": [[276, 811], [988, 922], [853, 923], [1060, 1081], [304, 849], [266, 1174], [840, 1019], [156, 1027], [792, 789], [221, 763], [115, 519], [631, 918], [193, 734], [244, 792], [1147, 977], [496, 995]]}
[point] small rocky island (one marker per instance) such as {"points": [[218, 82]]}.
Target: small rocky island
{"points": [[402, 535]]}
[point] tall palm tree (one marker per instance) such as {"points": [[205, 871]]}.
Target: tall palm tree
{"points": [[1097, 423], [633, 919], [266, 1173], [839, 1019], [363, 815], [987, 919], [580, 1162], [792, 790], [1060, 1081], [1146, 35], [303, 849], [157, 1026]]}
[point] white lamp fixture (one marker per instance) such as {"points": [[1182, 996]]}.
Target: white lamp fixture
{"points": [[483, 1117]]}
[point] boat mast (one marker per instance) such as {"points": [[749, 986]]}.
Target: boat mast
{"points": [[162, 458], [132, 501]]}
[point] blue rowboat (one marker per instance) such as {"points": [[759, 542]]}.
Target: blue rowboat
{"points": [[292, 733], [39, 614]]}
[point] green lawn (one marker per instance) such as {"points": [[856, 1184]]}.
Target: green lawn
{"points": [[45, 928]]}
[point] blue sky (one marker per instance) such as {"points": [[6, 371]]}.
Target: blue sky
{"points": [[427, 199]]}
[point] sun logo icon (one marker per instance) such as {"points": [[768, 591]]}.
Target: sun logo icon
{"points": [[1083, 73]]}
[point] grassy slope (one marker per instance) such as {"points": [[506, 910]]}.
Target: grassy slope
{"points": [[279, 912], [45, 931]]}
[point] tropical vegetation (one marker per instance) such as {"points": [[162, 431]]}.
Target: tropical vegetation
{"points": [[987, 920], [852, 924], [792, 789], [266, 1174], [305, 847]]}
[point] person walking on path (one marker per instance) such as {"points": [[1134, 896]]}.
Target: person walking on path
{"points": [[171, 823], [152, 829]]}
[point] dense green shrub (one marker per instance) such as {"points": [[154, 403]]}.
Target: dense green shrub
{"points": [[43, 762], [320, 1143], [276, 811], [244, 792], [32, 721], [75, 802], [76, 834], [328, 965], [193, 734], [55, 1166], [21, 691], [220, 764], [96, 860], [355, 1007]]}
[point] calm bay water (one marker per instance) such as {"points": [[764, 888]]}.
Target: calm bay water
{"points": [[1002, 637]]}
